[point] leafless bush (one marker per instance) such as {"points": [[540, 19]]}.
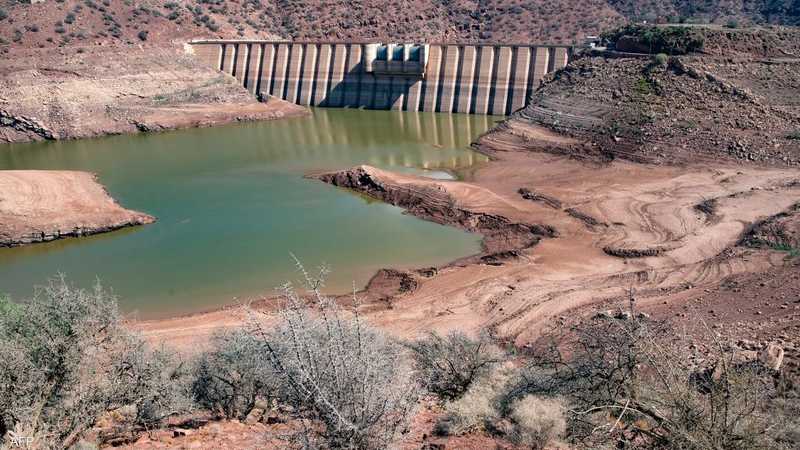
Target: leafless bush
{"points": [[346, 381], [65, 359], [448, 365], [234, 374], [636, 382]]}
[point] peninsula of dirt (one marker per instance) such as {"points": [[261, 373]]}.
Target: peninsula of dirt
{"points": [[41, 205]]}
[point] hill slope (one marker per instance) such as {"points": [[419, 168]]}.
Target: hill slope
{"points": [[81, 22]]}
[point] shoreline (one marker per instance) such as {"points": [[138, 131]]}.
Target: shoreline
{"points": [[46, 205], [525, 285], [80, 95]]}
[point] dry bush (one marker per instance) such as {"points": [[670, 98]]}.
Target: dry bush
{"points": [[345, 381], [231, 377], [636, 382], [66, 359], [538, 421], [477, 408], [448, 365]]}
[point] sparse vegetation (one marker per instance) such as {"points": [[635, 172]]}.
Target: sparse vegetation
{"points": [[66, 359], [667, 40], [632, 380], [346, 381], [539, 421], [448, 365], [234, 375]]}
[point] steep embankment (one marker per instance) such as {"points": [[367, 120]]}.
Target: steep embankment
{"points": [[119, 90], [40, 205], [734, 101]]}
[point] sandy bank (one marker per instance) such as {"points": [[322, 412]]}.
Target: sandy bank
{"points": [[612, 227], [42, 205]]}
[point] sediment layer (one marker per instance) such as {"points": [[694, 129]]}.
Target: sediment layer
{"points": [[441, 202]]}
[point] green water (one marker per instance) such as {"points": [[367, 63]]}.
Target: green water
{"points": [[232, 204]]}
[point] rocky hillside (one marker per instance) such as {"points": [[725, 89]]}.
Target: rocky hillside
{"points": [[99, 22], [731, 100], [733, 12]]}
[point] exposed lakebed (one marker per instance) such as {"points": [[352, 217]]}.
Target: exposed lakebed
{"points": [[232, 204]]}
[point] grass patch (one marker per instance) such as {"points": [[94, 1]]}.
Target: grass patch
{"points": [[643, 87], [790, 250]]}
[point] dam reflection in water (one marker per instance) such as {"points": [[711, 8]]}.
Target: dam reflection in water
{"points": [[231, 204]]}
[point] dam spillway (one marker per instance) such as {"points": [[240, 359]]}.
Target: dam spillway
{"points": [[458, 78]]}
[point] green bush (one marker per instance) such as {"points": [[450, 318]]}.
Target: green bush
{"points": [[660, 59], [671, 40]]}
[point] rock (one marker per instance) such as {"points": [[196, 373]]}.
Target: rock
{"points": [[432, 446], [181, 432], [623, 315], [772, 356], [254, 416]]}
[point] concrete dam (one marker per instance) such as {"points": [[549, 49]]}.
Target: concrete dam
{"points": [[470, 79]]}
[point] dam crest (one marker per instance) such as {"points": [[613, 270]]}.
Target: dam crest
{"points": [[455, 78]]}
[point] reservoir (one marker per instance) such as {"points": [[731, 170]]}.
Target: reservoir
{"points": [[232, 206]]}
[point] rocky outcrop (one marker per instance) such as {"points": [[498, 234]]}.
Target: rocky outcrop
{"points": [[28, 126], [432, 200]]}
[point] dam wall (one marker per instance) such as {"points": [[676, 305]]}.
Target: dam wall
{"points": [[470, 79]]}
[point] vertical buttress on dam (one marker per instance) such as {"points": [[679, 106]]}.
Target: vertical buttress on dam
{"points": [[470, 79]]}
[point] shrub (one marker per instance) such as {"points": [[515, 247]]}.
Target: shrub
{"points": [[234, 375], [538, 421], [345, 380], [670, 40], [70, 18], [794, 135], [448, 365], [660, 59], [3, 14], [633, 381], [732, 23], [477, 408], [143, 35], [65, 359]]}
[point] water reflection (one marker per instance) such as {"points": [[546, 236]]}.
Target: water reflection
{"points": [[232, 203]]}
